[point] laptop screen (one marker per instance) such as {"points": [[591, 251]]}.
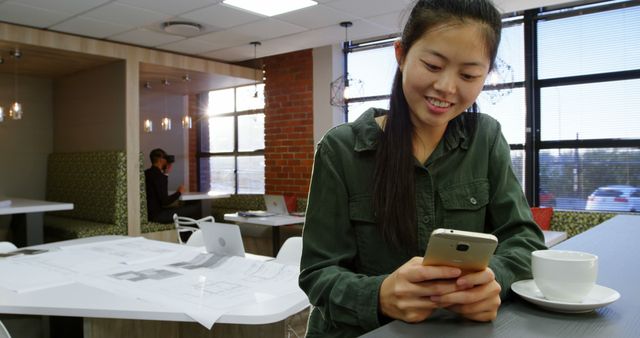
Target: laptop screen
{"points": [[276, 204], [222, 239]]}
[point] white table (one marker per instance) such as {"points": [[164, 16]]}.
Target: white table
{"points": [[204, 198], [27, 215], [275, 222], [79, 300], [551, 238]]}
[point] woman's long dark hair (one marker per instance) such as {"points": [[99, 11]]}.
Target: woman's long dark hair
{"points": [[394, 183]]}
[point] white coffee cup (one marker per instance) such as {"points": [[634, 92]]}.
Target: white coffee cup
{"points": [[566, 276]]}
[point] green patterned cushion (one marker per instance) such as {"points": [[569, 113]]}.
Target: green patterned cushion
{"points": [[60, 228], [241, 202], [575, 222], [301, 204], [95, 182], [236, 203], [154, 227]]}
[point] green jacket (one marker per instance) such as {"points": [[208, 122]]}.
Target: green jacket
{"points": [[467, 183]]}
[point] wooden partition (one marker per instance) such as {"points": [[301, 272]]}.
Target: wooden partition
{"points": [[55, 54]]}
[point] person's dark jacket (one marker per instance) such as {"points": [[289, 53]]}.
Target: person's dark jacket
{"points": [[467, 183], [157, 195]]}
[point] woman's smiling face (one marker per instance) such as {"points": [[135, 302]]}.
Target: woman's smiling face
{"points": [[443, 73]]}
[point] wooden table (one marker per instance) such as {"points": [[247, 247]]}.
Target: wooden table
{"points": [[616, 244], [27, 218]]}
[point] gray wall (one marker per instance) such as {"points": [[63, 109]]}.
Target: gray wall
{"points": [[89, 109], [327, 66], [25, 144], [79, 112], [174, 141]]}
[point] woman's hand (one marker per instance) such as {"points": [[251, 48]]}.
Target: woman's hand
{"points": [[478, 297], [406, 293]]}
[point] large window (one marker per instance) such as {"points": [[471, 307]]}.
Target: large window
{"points": [[566, 93], [376, 85], [588, 87], [231, 141]]}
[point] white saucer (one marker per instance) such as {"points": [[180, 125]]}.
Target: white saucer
{"points": [[598, 297]]}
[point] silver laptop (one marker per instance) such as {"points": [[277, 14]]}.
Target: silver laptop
{"points": [[222, 239], [276, 204]]}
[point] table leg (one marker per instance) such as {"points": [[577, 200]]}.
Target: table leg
{"points": [[26, 229], [206, 208], [35, 232], [275, 231], [19, 230]]}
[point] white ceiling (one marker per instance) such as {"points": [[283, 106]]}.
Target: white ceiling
{"points": [[227, 31]]}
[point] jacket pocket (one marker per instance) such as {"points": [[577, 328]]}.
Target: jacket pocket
{"points": [[361, 210], [370, 257], [465, 204]]}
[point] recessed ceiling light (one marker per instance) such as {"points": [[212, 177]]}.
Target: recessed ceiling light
{"points": [[271, 7], [182, 28]]}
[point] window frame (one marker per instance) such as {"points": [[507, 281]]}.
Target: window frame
{"points": [[533, 86], [203, 123]]}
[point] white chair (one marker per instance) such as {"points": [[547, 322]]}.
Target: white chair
{"points": [[187, 224], [3, 331], [291, 251], [6, 247]]}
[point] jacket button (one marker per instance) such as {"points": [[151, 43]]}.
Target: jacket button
{"points": [[473, 201], [425, 219]]}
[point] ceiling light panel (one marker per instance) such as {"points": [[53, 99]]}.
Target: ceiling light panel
{"points": [[222, 16], [271, 7]]}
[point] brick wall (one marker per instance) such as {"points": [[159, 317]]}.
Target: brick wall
{"points": [[289, 123], [194, 112]]}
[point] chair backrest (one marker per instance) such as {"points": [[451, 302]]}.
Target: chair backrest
{"points": [[3, 331], [291, 251], [6, 247], [542, 217], [187, 224]]}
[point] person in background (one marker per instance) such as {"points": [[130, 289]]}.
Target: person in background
{"points": [[168, 168], [159, 202], [382, 183]]}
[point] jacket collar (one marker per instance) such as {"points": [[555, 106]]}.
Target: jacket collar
{"points": [[456, 134], [367, 131]]}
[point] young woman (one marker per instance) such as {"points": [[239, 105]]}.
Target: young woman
{"points": [[381, 184]]}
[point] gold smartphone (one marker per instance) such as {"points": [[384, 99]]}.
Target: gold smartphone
{"points": [[469, 251]]}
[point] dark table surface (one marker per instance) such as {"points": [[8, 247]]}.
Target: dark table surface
{"points": [[617, 244]]}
